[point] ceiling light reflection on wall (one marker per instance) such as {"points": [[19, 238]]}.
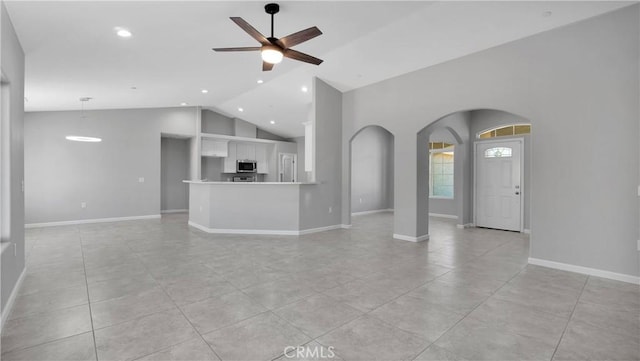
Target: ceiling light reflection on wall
{"points": [[240, 109], [273, 122], [304, 89], [79, 138], [204, 91], [83, 138], [123, 33], [260, 81], [184, 104]]}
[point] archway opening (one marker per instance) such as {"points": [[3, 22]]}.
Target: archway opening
{"points": [[446, 165], [371, 175]]}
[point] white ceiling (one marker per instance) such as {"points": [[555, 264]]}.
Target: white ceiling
{"points": [[72, 50]]}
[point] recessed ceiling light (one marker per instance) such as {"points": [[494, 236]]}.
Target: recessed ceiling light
{"points": [[204, 91], [273, 122], [183, 104], [123, 33], [260, 81], [546, 14], [304, 89], [240, 109]]}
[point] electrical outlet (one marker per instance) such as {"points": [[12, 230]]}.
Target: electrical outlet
{"points": [[141, 180], [330, 209], [83, 205]]}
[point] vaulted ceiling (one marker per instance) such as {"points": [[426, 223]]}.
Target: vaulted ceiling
{"points": [[72, 49]]}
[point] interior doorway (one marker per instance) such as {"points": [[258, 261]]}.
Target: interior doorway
{"points": [[499, 175], [174, 169], [288, 167], [372, 171]]}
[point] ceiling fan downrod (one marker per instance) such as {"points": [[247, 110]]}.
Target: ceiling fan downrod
{"points": [[272, 9]]}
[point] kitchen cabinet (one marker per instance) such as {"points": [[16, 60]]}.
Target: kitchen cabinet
{"points": [[245, 151], [214, 148], [230, 160], [262, 158]]}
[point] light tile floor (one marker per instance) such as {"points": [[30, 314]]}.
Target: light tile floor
{"points": [[158, 290]]}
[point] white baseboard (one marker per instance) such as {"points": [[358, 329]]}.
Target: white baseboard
{"points": [[320, 229], [86, 221], [174, 211], [440, 215], [466, 225], [527, 231], [371, 212], [266, 231], [345, 226], [411, 238], [12, 298], [585, 270]]}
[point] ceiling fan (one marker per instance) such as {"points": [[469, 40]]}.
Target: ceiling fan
{"points": [[274, 49]]}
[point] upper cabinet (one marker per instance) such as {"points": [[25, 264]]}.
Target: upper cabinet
{"points": [[246, 151], [214, 148], [230, 161]]}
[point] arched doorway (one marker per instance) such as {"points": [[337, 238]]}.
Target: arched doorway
{"points": [[451, 192], [371, 172]]}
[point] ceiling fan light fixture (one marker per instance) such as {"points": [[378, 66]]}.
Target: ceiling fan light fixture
{"points": [[271, 54]]}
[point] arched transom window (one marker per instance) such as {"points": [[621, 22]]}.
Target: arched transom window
{"points": [[515, 129]]}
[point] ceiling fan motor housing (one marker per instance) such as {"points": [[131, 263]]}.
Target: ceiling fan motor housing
{"points": [[272, 8]]}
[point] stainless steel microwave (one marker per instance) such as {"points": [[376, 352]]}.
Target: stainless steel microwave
{"points": [[246, 166]]}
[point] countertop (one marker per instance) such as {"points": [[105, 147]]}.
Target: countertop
{"points": [[245, 183]]}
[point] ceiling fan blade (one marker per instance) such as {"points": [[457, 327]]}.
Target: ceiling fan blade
{"points": [[250, 30], [296, 55], [266, 66], [299, 37], [248, 48]]}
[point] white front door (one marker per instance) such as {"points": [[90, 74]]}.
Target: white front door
{"points": [[498, 175]]}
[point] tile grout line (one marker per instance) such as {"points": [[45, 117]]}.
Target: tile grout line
{"points": [[467, 315], [177, 307], [570, 317], [86, 282]]}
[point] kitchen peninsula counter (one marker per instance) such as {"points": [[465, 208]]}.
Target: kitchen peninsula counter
{"points": [[250, 207]]}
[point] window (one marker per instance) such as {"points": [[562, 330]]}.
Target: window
{"points": [[497, 152], [516, 129], [440, 170]]}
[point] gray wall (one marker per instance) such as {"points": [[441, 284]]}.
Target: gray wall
{"points": [[484, 119], [302, 175], [371, 170], [174, 168], [212, 169], [570, 82], [315, 201], [61, 174], [12, 65], [215, 123], [273, 207]]}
